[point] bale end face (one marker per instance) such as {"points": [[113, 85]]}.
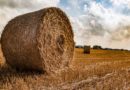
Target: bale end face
{"points": [[41, 40], [87, 49]]}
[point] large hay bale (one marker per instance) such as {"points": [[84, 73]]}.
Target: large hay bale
{"points": [[87, 49], [41, 40]]}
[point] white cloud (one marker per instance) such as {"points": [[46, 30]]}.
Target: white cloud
{"points": [[103, 26], [85, 8], [28, 3], [11, 8], [119, 2], [92, 22]]}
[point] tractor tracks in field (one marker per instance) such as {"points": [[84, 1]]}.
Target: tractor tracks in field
{"points": [[110, 81]]}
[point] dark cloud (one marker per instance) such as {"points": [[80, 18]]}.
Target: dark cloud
{"points": [[122, 33], [110, 24], [93, 22], [11, 8], [16, 3], [28, 4]]}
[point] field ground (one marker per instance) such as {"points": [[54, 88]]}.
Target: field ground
{"points": [[100, 70]]}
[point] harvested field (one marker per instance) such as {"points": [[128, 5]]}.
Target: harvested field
{"points": [[100, 70]]}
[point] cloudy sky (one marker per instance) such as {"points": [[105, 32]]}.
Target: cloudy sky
{"points": [[94, 22]]}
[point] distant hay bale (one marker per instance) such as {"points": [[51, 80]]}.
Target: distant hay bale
{"points": [[40, 40], [87, 49]]}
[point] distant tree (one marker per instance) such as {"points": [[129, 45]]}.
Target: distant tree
{"points": [[78, 46], [108, 49], [97, 47]]}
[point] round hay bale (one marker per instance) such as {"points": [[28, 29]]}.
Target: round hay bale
{"points": [[40, 40], [87, 49]]}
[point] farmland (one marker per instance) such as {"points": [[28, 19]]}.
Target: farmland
{"points": [[100, 70]]}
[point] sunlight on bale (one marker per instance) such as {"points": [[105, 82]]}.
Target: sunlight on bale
{"points": [[40, 40], [2, 59]]}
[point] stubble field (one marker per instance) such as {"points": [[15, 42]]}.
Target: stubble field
{"points": [[100, 70]]}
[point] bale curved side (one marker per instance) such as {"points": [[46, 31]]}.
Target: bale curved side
{"points": [[41, 40]]}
